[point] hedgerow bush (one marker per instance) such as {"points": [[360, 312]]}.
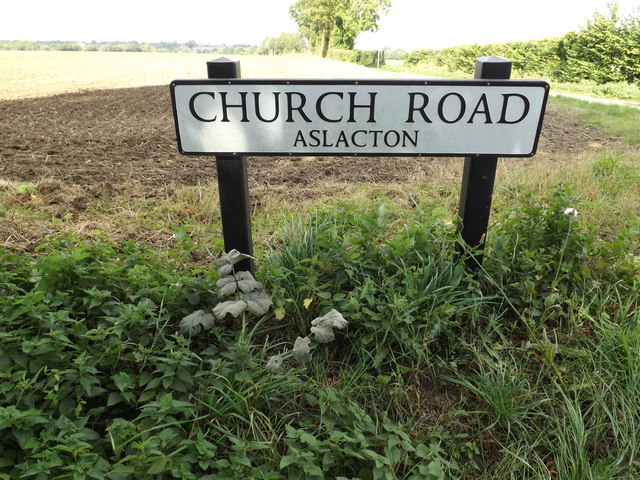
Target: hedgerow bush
{"points": [[368, 58], [604, 51]]}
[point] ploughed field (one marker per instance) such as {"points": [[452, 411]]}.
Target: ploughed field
{"points": [[77, 142]]}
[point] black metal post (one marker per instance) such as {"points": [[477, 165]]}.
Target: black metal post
{"points": [[479, 174], [233, 184]]}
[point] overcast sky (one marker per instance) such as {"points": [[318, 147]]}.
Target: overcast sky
{"points": [[410, 24]]}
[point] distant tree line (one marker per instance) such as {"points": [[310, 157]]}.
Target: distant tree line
{"points": [[285, 43], [190, 46], [606, 50]]}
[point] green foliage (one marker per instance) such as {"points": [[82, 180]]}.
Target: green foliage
{"points": [[546, 232], [79, 327], [604, 51], [315, 19], [353, 17], [615, 120], [402, 294], [114, 363], [368, 58], [19, 45], [98, 382], [101, 46], [26, 189]]}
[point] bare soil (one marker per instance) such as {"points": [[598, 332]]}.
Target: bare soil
{"points": [[106, 141]]}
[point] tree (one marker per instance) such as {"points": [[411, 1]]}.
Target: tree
{"points": [[336, 22], [354, 17], [191, 44]]}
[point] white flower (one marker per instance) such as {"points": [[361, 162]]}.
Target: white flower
{"points": [[448, 222], [571, 211]]}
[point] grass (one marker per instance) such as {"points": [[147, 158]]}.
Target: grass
{"points": [[614, 120], [527, 369]]}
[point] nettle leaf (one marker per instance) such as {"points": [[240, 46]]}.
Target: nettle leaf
{"points": [[122, 381], [227, 286], [195, 322], [258, 302], [193, 297], [233, 307], [247, 283], [274, 364], [301, 351], [224, 264]]}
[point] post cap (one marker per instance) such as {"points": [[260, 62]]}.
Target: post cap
{"points": [[223, 67], [493, 67]]}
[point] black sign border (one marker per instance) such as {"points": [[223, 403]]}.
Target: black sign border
{"points": [[378, 82]]}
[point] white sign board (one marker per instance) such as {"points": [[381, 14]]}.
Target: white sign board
{"points": [[372, 117]]}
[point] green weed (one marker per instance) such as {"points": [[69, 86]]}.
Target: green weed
{"points": [[117, 362]]}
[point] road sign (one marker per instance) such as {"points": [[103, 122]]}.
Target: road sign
{"points": [[367, 117]]}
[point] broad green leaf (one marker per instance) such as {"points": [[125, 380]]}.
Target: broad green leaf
{"points": [[224, 264], [307, 438], [197, 321], [274, 364], [301, 351], [122, 381], [233, 307], [323, 334], [247, 283], [227, 286], [157, 467], [287, 460], [114, 397], [258, 302]]}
